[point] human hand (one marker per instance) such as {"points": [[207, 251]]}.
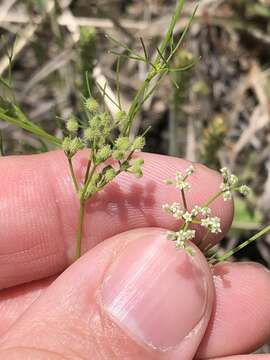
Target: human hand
{"points": [[132, 295]]}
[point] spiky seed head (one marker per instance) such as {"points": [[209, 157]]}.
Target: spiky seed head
{"points": [[138, 143], [109, 174], [120, 117], [72, 146], [122, 143], [103, 154], [91, 105], [118, 155], [72, 125]]}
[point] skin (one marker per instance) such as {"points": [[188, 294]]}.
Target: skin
{"points": [[52, 308]]}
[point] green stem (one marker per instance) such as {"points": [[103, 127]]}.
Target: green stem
{"points": [[80, 229], [32, 128], [202, 241], [228, 254], [91, 173], [212, 199], [88, 168], [139, 99], [217, 195], [74, 180]]}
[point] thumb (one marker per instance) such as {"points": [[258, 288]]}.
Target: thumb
{"points": [[135, 296]]}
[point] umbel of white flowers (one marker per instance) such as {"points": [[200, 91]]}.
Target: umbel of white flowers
{"points": [[199, 215]]}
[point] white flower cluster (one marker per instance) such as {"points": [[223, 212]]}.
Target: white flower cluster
{"points": [[181, 237], [244, 190], [174, 209], [212, 224], [204, 211], [180, 181], [199, 215], [229, 182]]}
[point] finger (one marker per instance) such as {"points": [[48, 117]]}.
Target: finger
{"points": [[39, 211], [241, 315], [245, 357], [236, 285], [134, 296], [14, 301]]}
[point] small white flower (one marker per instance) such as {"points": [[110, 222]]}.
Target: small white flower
{"points": [[196, 210], [171, 235], [212, 224], [173, 209], [187, 216], [229, 179], [215, 225], [190, 234], [169, 181], [190, 170], [166, 207], [232, 180], [205, 211], [205, 222], [244, 190], [227, 195], [180, 244], [224, 187], [180, 183], [183, 236], [225, 172]]}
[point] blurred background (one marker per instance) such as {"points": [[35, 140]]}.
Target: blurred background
{"points": [[219, 115]]}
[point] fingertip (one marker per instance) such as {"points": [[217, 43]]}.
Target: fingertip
{"points": [[134, 294], [241, 315]]}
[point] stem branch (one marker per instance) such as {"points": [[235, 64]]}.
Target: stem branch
{"points": [[241, 246], [74, 180], [184, 199], [80, 229]]}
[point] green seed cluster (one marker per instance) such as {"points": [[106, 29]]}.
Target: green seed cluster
{"points": [[99, 136]]}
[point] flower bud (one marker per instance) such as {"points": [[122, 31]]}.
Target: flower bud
{"points": [[122, 143], [138, 143], [109, 174], [89, 134], [103, 154], [118, 154], [120, 117], [91, 105], [72, 125], [71, 146]]}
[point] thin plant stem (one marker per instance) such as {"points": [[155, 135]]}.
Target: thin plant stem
{"points": [[88, 168], [82, 208], [229, 253], [201, 242], [140, 96], [73, 176], [118, 82], [183, 33], [80, 229], [213, 198], [217, 195], [91, 173], [184, 199], [32, 128]]}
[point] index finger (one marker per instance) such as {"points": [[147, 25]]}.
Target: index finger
{"points": [[39, 209]]}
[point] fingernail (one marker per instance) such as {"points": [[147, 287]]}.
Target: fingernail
{"points": [[154, 292]]}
